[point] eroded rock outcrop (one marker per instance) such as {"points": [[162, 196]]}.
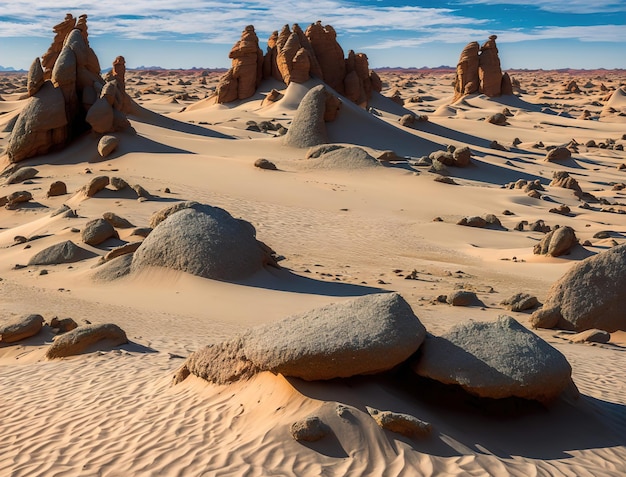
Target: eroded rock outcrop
{"points": [[246, 72], [68, 96], [294, 56], [479, 71]]}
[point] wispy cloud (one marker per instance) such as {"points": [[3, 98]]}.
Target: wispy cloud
{"points": [[217, 21], [601, 33], [560, 6]]}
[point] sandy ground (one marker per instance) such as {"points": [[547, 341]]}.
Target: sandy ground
{"points": [[342, 233]]}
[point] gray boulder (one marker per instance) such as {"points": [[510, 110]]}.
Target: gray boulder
{"points": [[308, 127], [463, 298], [309, 429], [97, 231], [589, 295], [205, 241], [495, 360], [556, 242], [64, 252], [366, 335]]}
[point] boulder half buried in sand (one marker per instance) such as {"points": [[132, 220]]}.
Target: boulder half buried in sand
{"points": [[365, 335], [589, 295], [308, 127], [64, 252], [82, 338], [495, 360], [20, 328], [205, 241]]}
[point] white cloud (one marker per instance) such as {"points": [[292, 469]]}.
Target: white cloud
{"points": [[601, 33], [560, 6], [216, 20]]}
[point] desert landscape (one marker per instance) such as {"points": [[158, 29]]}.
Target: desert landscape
{"points": [[303, 266]]}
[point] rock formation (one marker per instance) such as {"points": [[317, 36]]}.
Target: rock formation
{"points": [[366, 335], [294, 56], [83, 338], [246, 71], [68, 95], [589, 295], [495, 360], [308, 127], [479, 70], [556, 242]]}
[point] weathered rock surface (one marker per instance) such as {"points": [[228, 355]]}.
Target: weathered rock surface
{"points": [[489, 71], [589, 295], [564, 180], [246, 71], [57, 188], [95, 185], [495, 360], [63, 325], [308, 127], [309, 429], [467, 81], [590, 336], [107, 145], [366, 335], [520, 302], [205, 241], [117, 221], [81, 339], [462, 298], [556, 242], [21, 175], [122, 250], [404, 424], [20, 328], [63, 252], [97, 231]]}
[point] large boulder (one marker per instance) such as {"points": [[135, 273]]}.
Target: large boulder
{"points": [[41, 126], [81, 339], [590, 295], [20, 328], [495, 360], [308, 127], [205, 241], [556, 242], [366, 335]]}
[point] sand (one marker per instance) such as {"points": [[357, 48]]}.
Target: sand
{"points": [[341, 233]]}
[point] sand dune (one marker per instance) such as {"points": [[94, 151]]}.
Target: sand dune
{"points": [[339, 234]]}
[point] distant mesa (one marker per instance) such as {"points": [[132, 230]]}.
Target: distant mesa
{"points": [[294, 56], [68, 95], [479, 71]]}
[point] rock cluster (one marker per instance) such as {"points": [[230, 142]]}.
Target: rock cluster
{"points": [[479, 71], [68, 96], [296, 56]]}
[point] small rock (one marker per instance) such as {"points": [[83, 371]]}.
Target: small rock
{"points": [[593, 335], [21, 175], [404, 424], [20, 328], [558, 154], [265, 164], [107, 145], [57, 188], [96, 185], [97, 231], [63, 325], [309, 429], [520, 302], [117, 221], [117, 183], [80, 339]]}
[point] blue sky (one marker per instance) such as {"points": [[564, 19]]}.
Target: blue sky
{"points": [[531, 34]]}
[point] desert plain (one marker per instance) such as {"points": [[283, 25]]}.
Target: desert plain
{"points": [[337, 231]]}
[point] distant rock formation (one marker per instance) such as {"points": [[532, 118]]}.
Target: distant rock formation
{"points": [[246, 72], [294, 56], [68, 95], [479, 70]]}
